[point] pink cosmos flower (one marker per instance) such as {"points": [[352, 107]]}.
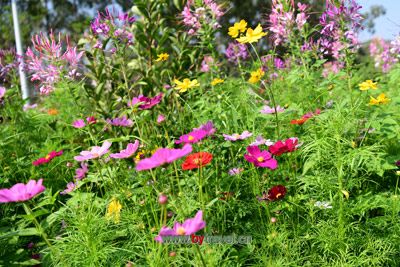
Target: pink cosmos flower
{"points": [[70, 187], [123, 121], [81, 172], [260, 158], [235, 171], [208, 127], [21, 192], [269, 110], [95, 152], [190, 226], [126, 153], [145, 102], [47, 158], [79, 124], [160, 118], [163, 156], [311, 114], [261, 141], [2, 91], [192, 137], [235, 137]]}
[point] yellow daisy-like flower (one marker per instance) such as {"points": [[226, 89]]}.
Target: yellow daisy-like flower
{"points": [[381, 99], [216, 81], [114, 210], [237, 28], [185, 84], [162, 57], [255, 76], [368, 84], [252, 35]]}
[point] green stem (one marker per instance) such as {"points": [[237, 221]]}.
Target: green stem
{"points": [[201, 255]]}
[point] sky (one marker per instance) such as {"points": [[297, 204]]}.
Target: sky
{"points": [[387, 26]]}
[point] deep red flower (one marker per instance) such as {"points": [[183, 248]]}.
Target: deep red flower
{"points": [[47, 158], [91, 120], [280, 147], [275, 193], [197, 160]]}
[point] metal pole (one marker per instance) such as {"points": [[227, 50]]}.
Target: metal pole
{"points": [[18, 44]]}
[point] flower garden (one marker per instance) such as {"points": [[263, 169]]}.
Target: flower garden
{"points": [[279, 147]]}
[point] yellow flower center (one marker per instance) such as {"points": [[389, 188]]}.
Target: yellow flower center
{"points": [[190, 138], [180, 230], [260, 159], [278, 195], [47, 157]]}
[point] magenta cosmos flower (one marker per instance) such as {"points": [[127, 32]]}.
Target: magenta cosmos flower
{"points": [[260, 158], [126, 153], [81, 172], [190, 226], [268, 110], [163, 156], [47, 158], [79, 124], [192, 137], [95, 152], [123, 121], [70, 187], [145, 102], [235, 137], [21, 192]]}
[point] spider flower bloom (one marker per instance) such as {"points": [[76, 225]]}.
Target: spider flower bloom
{"points": [[368, 84], [80, 173], [260, 158], [162, 57], [123, 121], [252, 36], [95, 152], [163, 156], [47, 158], [114, 210], [280, 147], [238, 27], [185, 84], [268, 110], [275, 193], [235, 137], [190, 226], [236, 51], [208, 127], [192, 137], [126, 153], [145, 102], [197, 160], [255, 76], [70, 187], [79, 124], [381, 99], [21, 192]]}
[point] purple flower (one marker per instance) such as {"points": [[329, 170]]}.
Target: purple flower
{"points": [[236, 51], [126, 153], [144, 102], [81, 172], [2, 92], [268, 110], [208, 127], [235, 137], [261, 141], [123, 121], [235, 171], [193, 137], [79, 123], [27, 106], [163, 156], [70, 187], [95, 152], [190, 226], [160, 118], [21, 192], [260, 158], [206, 63]]}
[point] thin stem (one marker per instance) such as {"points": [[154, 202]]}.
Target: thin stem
{"points": [[201, 255]]}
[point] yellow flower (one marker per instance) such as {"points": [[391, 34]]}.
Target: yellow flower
{"points": [[216, 81], [114, 210], [256, 76], [252, 35], [185, 84], [368, 84], [237, 28], [381, 99], [162, 57]]}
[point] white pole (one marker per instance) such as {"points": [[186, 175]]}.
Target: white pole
{"points": [[22, 77]]}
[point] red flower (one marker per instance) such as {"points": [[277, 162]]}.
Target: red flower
{"points": [[48, 158], [275, 193], [283, 147], [197, 160], [299, 121]]}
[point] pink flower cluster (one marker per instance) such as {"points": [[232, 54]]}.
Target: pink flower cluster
{"points": [[384, 54], [123, 122]]}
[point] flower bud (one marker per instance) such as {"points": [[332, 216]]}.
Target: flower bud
{"points": [[163, 199]]}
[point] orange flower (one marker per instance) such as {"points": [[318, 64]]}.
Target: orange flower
{"points": [[197, 160], [299, 121], [52, 111]]}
